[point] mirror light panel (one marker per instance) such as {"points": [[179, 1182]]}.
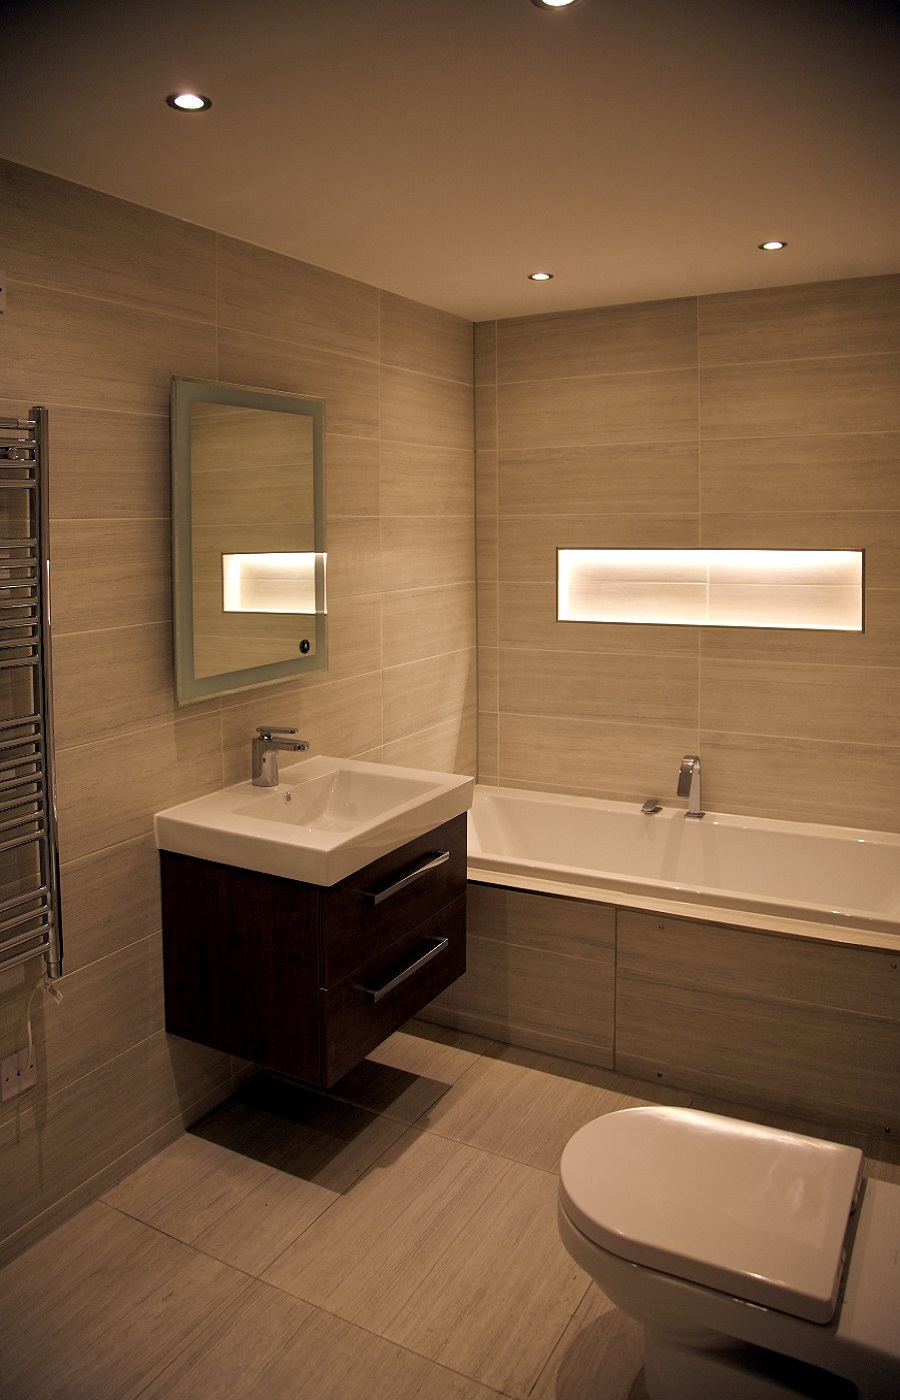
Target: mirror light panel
{"points": [[270, 583], [815, 589]]}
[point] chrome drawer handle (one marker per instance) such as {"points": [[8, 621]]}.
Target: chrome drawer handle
{"points": [[376, 993], [431, 862]]}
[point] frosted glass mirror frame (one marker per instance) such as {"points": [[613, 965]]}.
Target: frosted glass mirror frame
{"points": [[193, 681], [800, 589]]}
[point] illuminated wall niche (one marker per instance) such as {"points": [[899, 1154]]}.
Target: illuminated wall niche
{"points": [[816, 589], [270, 583]]}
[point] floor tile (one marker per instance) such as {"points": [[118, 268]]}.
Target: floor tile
{"points": [[449, 1251], [599, 1355], [111, 1301]]}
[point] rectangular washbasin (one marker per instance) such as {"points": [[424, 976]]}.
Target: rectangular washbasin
{"points": [[327, 818]]}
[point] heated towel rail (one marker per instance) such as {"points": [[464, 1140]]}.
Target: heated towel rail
{"points": [[29, 861]]}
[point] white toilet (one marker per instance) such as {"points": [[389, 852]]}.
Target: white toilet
{"points": [[758, 1261]]}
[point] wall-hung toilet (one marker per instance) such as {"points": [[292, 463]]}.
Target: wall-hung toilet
{"points": [[759, 1263]]}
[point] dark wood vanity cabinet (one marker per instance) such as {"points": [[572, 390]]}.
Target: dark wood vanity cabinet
{"points": [[306, 979]]}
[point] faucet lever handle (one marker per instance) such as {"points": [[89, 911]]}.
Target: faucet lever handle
{"points": [[265, 731]]}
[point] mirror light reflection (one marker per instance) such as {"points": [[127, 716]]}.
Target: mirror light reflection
{"points": [[815, 589]]}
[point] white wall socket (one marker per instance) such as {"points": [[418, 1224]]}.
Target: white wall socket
{"points": [[18, 1072]]}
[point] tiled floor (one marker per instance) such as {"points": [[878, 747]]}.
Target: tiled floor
{"points": [[395, 1238]]}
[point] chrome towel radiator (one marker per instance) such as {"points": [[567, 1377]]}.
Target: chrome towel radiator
{"points": [[29, 860]]}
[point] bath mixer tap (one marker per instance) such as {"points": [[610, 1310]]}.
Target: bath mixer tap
{"points": [[689, 785], [265, 753]]}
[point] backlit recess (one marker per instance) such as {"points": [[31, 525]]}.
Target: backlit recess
{"points": [[270, 583]]}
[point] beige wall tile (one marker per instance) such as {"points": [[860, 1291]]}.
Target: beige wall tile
{"points": [[622, 761], [76, 240], [414, 477], [354, 556], [488, 680], [341, 718], [486, 417], [831, 703], [112, 573], [653, 335], [488, 748], [800, 397], [421, 694], [125, 357], [528, 544], [486, 549], [487, 481], [109, 900], [348, 385], [109, 465], [351, 475], [420, 408], [875, 531], [616, 686], [857, 317], [842, 472], [354, 638], [427, 622], [269, 294], [450, 747], [612, 408], [426, 551], [105, 683], [587, 480], [488, 613], [878, 645], [421, 338], [527, 618], [485, 351]]}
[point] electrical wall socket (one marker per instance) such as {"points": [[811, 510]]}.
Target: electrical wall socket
{"points": [[18, 1072]]}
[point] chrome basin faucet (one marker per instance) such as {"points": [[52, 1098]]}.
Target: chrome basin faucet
{"points": [[265, 753], [689, 785]]}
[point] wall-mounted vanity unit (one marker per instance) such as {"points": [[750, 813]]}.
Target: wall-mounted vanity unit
{"points": [[302, 924], [248, 537]]}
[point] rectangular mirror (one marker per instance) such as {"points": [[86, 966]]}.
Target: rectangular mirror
{"points": [[248, 537]]}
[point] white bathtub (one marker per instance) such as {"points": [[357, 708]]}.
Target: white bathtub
{"points": [[736, 869]]}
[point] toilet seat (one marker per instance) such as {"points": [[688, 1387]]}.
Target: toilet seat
{"points": [[750, 1211]]}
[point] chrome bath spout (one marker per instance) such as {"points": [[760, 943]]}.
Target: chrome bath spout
{"points": [[689, 785]]}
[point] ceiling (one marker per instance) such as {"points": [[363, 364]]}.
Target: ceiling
{"points": [[444, 149]]}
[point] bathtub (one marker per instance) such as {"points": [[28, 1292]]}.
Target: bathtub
{"points": [[830, 882]]}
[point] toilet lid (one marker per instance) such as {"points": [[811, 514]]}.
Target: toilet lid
{"points": [[750, 1211]]}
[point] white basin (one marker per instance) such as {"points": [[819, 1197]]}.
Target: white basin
{"points": [[326, 818]]}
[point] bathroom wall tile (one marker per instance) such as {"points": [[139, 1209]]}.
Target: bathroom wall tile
{"points": [[527, 544], [486, 483], [488, 769], [109, 900], [488, 680], [108, 465], [450, 747], [622, 761], [800, 397], [135, 664], [351, 475], [831, 703], [878, 645], [615, 686], [74, 239], [422, 480], [269, 294], [856, 317], [427, 622], [164, 764], [128, 582], [848, 784], [613, 408], [652, 335], [486, 549], [488, 613], [348, 385], [839, 472], [421, 694], [485, 352], [125, 357], [426, 551], [420, 338], [420, 408], [354, 556], [619, 478], [875, 531], [499, 1216], [527, 619], [354, 638], [486, 428]]}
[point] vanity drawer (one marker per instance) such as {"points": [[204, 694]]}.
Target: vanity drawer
{"points": [[377, 906], [365, 1008]]}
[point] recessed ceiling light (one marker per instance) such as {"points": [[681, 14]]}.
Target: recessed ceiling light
{"points": [[540, 276], [189, 102], [772, 245], [554, 4]]}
